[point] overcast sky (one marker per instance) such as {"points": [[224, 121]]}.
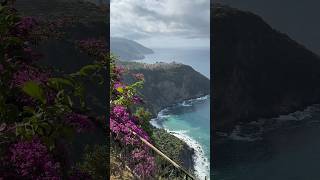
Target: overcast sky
{"points": [[162, 23]]}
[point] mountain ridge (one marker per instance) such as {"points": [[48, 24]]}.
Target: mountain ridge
{"points": [[259, 72], [127, 49]]}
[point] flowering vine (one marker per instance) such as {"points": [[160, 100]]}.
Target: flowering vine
{"points": [[125, 126], [37, 110]]}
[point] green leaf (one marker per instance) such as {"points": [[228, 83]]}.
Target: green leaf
{"points": [[34, 90], [29, 109], [1, 9], [59, 83], [120, 89], [69, 101], [89, 69]]}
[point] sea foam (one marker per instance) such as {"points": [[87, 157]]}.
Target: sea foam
{"points": [[201, 163]]}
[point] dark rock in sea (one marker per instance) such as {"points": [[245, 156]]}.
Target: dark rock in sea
{"points": [[186, 157], [259, 72]]}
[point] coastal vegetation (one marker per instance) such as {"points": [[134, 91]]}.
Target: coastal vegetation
{"points": [[54, 72], [41, 114], [129, 122]]}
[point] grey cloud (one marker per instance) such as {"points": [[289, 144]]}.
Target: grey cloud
{"points": [[145, 18]]}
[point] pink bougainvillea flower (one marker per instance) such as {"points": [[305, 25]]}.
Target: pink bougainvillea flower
{"points": [[137, 100], [24, 27], [29, 73], [32, 160], [139, 76]]}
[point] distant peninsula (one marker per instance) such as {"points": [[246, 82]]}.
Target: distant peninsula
{"points": [[127, 50]]}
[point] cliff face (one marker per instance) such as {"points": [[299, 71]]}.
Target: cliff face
{"points": [[167, 84], [258, 71]]}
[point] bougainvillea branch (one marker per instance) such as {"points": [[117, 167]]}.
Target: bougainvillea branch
{"points": [[125, 126]]}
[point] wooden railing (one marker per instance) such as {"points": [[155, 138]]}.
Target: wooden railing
{"points": [[179, 169], [167, 168]]}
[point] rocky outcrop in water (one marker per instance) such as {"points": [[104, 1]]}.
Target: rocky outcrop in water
{"points": [[259, 72]]}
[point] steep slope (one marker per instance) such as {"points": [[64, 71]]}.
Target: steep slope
{"points": [[83, 20], [258, 71], [167, 84], [78, 10], [127, 49], [295, 17]]}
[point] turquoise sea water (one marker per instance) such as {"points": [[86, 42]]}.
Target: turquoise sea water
{"points": [[190, 121]]}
